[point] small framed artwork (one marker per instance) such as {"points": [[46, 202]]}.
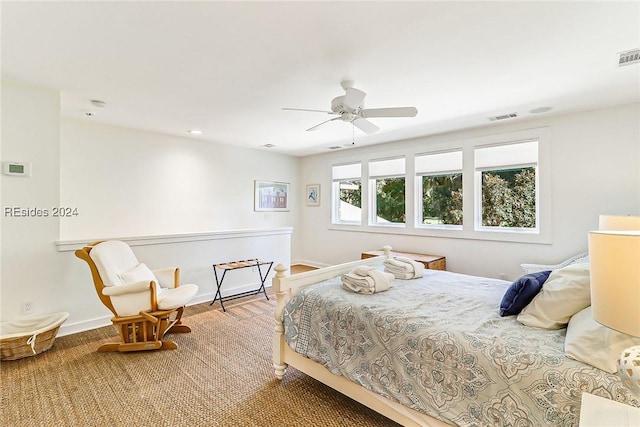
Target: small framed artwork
{"points": [[271, 196], [313, 195]]}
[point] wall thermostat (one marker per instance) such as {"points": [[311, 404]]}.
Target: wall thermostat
{"points": [[16, 168]]}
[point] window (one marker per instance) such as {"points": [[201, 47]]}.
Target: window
{"points": [[507, 187], [347, 193], [387, 192], [439, 189], [491, 187]]}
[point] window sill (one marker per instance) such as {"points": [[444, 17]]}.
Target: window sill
{"points": [[501, 236]]}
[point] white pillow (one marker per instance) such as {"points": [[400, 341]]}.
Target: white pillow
{"points": [[535, 268], [590, 342], [139, 273], [563, 294]]}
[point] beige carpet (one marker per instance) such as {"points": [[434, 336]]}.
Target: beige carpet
{"points": [[220, 375]]}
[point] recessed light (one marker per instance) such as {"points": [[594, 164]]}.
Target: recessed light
{"points": [[98, 103], [540, 110], [268, 145], [195, 132]]}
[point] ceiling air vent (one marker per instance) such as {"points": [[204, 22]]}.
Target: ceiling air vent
{"points": [[629, 57], [504, 117]]}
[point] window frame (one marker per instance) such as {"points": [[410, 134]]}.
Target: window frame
{"points": [[418, 187], [372, 213], [335, 195], [477, 198], [478, 203]]}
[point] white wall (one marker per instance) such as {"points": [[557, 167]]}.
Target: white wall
{"points": [[595, 170], [31, 270], [127, 183]]}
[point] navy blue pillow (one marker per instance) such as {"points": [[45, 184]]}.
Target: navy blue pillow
{"points": [[521, 292]]}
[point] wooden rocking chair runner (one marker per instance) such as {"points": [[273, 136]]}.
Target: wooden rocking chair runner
{"points": [[146, 304]]}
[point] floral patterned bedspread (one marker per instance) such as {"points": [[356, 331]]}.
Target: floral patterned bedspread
{"points": [[438, 345]]}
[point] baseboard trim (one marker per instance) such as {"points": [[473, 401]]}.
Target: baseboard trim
{"points": [[100, 322]]}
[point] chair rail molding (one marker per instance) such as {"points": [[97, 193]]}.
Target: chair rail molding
{"points": [[160, 239]]}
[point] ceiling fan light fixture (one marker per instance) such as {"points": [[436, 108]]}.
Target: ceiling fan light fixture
{"points": [[350, 108]]}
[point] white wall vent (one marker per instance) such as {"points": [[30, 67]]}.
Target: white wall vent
{"points": [[504, 117], [629, 57]]}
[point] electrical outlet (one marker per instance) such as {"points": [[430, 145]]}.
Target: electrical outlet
{"points": [[27, 307]]}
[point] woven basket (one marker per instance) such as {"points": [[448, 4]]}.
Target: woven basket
{"points": [[19, 347], [30, 335]]}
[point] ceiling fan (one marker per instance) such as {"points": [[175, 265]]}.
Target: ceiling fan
{"points": [[350, 108]]}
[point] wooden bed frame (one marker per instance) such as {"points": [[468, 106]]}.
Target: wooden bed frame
{"points": [[284, 356]]}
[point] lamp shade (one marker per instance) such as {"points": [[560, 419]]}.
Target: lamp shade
{"points": [[618, 222], [615, 279]]}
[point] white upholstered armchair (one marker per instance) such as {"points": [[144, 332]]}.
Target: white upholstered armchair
{"points": [[146, 304]]}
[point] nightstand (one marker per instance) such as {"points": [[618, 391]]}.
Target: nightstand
{"points": [[432, 262], [596, 411]]}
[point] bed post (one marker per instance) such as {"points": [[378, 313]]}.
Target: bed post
{"points": [[387, 251], [278, 334]]}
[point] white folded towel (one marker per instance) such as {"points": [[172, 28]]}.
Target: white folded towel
{"points": [[366, 280], [404, 268]]}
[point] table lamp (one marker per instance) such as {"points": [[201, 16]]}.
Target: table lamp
{"points": [[618, 222], [614, 255]]}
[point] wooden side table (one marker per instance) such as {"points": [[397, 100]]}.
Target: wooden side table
{"points": [[432, 262]]}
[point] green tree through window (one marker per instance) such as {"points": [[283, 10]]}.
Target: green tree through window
{"points": [[509, 198], [442, 199], [390, 200], [351, 192]]}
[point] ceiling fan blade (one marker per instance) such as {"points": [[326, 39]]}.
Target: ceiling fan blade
{"points": [[365, 125], [304, 109], [353, 98], [390, 112], [320, 124]]}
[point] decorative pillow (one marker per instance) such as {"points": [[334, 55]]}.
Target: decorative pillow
{"points": [[565, 293], [535, 268], [521, 292], [139, 273], [590, 342]]}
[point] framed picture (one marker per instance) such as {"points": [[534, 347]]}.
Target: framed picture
{"points": [[313, 195], [271, 196]]}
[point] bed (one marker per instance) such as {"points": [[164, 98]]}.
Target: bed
{"points": [[432, 351]]}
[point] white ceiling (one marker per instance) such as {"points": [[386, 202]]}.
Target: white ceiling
{"points": [[228, 68]]}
